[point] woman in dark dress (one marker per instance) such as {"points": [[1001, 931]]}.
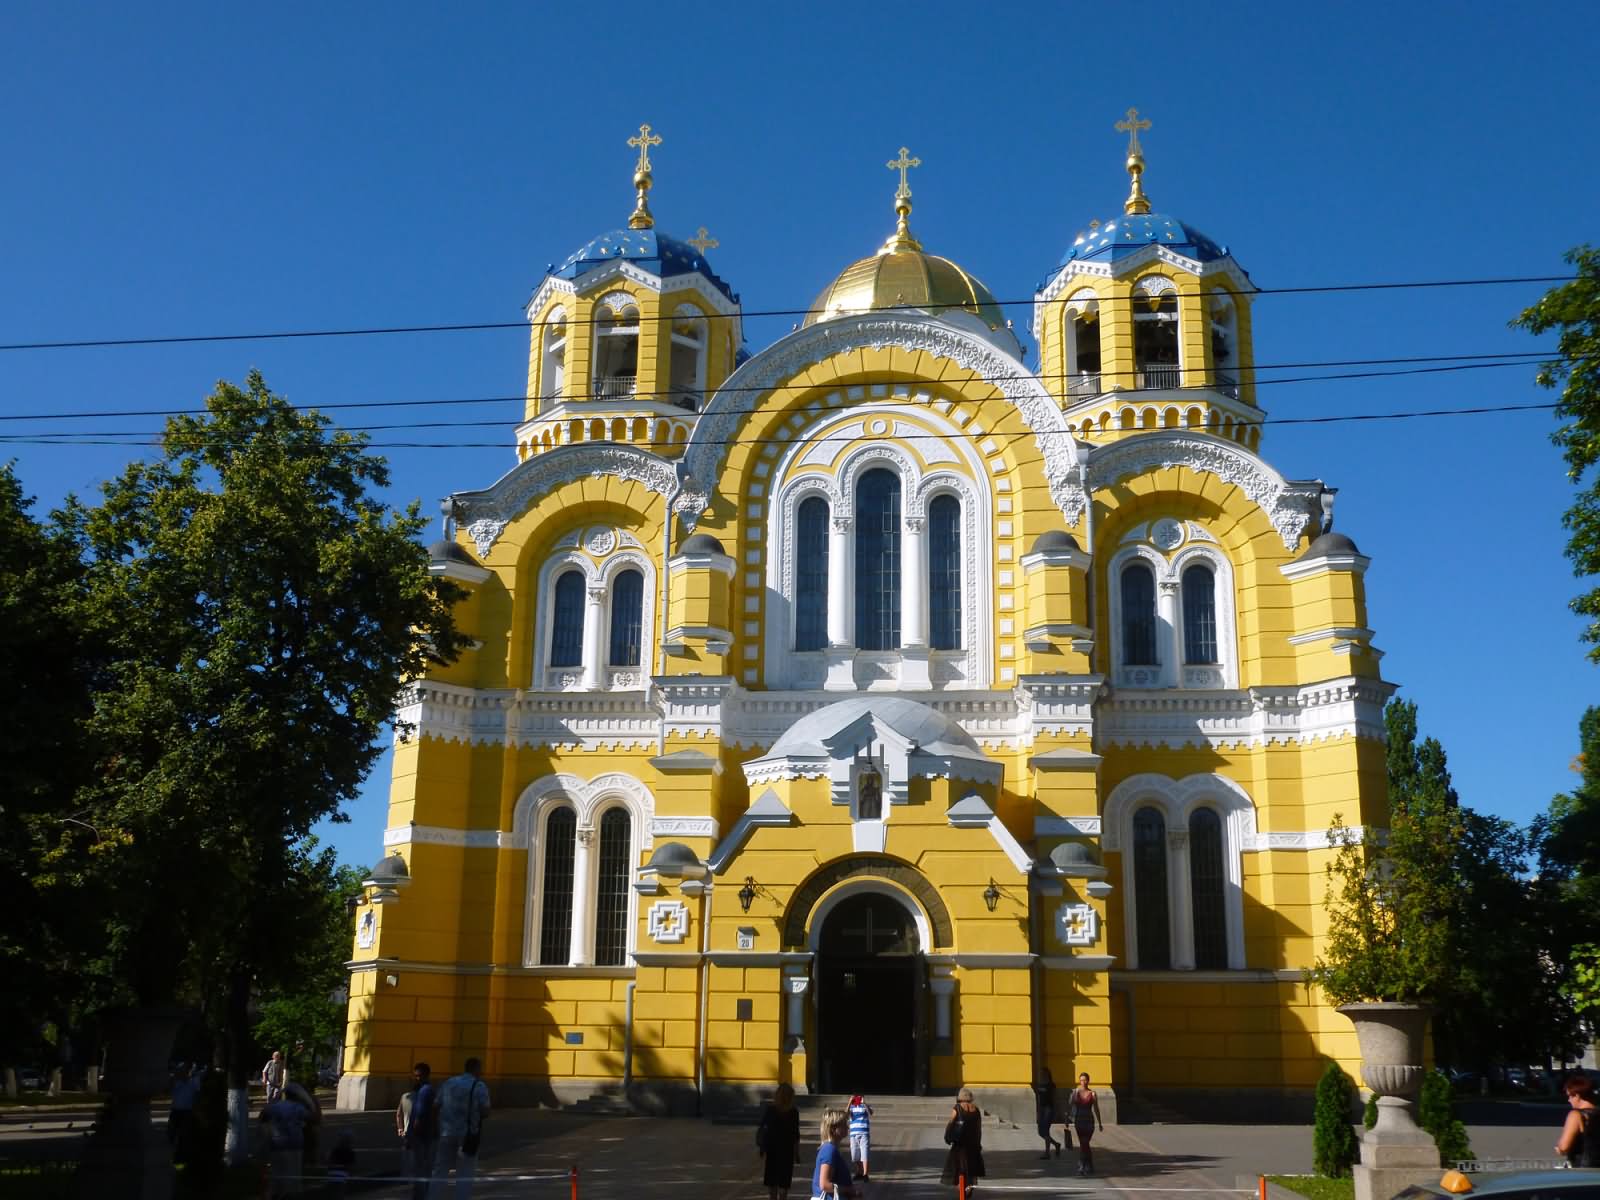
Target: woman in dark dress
{"points": [[964, 1134], [778, 1139]]}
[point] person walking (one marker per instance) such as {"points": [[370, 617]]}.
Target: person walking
{"points": [[778, 1141], [275, 1075], [422, 1132], [463, 1104], [1044, 1103], [860, 1114], [286, 1120], [963, 1133], [1084, 1111], [1580, 1133], [830, 1178], [180, 1117]]}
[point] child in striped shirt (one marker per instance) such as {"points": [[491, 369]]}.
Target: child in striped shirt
{"points": [[860, 1133]]}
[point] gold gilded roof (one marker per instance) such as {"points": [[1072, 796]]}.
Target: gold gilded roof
{"points": [[905, 278]]}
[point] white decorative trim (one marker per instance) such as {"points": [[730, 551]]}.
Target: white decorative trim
{"points": [[972, 811], [1077, 271], [1311, 839], [1170, 670], [668, 921], [1077, 925], [858, 886], [1078, 962], [1301, 568], [486, 513], [718, 426], [1349, 706], [705, 827], [767, 811], [1289, 506], [610, 721], [440, 835], [1086, 826], [461, 572]]}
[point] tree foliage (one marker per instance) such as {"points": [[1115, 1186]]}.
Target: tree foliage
{"points": [[1436, 1114], [1573, 309], [1333, 1140], [1569, 870]]}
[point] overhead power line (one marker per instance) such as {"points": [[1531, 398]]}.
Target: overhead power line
{"points": [[482, 326]]}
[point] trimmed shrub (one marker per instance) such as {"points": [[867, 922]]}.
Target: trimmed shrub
{"points": [[1333, 1141], [1436, 1114], [1369, 1114]]}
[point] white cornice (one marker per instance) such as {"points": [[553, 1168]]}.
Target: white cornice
{"points": [[1081, 269], [1351, 706], [1301, 568], [592, 281], [461, 572]]}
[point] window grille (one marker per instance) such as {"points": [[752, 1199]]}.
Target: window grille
{"points": [[627, 614], [1138, 615], [611, 900], [811, 578], [944, 573], [1199, 615], [555, 916], [1205, 886], [1150, 888], [878, 561], [566, 636]]}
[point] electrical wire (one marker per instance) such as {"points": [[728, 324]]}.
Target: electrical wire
{"points": [[482, 326]]}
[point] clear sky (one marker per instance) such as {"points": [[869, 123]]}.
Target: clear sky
{"points": [[228, 168]]}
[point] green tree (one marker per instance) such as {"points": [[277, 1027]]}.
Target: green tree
{"points": [[1573, 309], [262, 611], [1436, 1114], [1333, 1141], [1569, 874]]}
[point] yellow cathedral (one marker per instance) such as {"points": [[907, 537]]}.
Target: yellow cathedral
{"points": [[875, 712]]}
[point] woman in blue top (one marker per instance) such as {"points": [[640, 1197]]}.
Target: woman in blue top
{"points": [[831, 1178]]}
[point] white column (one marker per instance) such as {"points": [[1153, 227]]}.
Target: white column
{"points": [[581, 952], [1180, 899], [943, 986], [913, 583], [841, 577], [1169, 632], [594, 639], [795, 985]]}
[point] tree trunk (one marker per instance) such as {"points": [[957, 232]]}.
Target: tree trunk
{"points": [[236, 1044]]}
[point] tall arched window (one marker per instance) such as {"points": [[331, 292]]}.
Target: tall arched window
{"points": [[1155, 333], [878, 561], [1205, 887], [555, 918], [627, 617], [1199, 615], [944, 573], [811, 575], [1150, 888], [688, 358], [566, 634], [553, 373], [1139, 615], [611, 894], [616, 352]]}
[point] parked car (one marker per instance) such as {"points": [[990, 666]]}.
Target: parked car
{"points": [[30, 1080], [1523, 1185]]}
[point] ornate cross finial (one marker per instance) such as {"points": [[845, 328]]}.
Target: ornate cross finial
{"points": [[1136, 201], [702, 242], [642, 218], [902, 239]]}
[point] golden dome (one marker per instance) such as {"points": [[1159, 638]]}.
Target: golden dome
{"points": [[899, 276]]}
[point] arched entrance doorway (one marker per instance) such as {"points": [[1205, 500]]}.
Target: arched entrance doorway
{"points": [[869, 981]]}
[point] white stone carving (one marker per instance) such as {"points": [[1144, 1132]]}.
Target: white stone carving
{"points": [[367, 930], [1288, 506], [718, 426], [1077, 925], [1166, 534], [705, 827], [486, 513], [600, 541], [668, 921]]}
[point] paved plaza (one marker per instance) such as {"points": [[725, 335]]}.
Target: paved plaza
{"points": [[529, 1153]]}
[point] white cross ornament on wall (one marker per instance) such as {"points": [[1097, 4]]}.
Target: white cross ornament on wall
{"points": [[669, 921], [1077, 925]]}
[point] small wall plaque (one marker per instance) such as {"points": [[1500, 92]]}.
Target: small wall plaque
{"points": [[744, 1009], [747, 938], [575, 1039]]}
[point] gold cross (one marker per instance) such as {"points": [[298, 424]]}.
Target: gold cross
{"points": [[1131, 127], [702, 243], [903, 164], [644, 141]]}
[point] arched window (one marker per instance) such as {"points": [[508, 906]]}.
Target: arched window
{"points": [[553, 371], [611, 894], [566, 635], [555, 918], [1199, 615], [878, 561], [1205, 887], [627, 617], [688, 358], [1224, 345], [1155, 332], [616, 355], [811, 575], [1139, 615], [1083, 344], [1150, 888], [944, 573]]}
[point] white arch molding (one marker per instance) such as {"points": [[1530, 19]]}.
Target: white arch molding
{"points": [[852, 888], [590, 799], [1176, 800]]}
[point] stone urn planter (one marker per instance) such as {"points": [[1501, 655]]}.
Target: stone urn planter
{"points": [[1396, 1152], [125, 1156]]}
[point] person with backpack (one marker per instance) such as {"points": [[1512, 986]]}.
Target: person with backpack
{"points": [[778, 1143], [963, 1133], [1580, 1135]]}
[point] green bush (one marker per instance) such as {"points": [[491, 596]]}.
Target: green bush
{"points": [[1333, 1142], [1369, 1114], [1436, 1114]]}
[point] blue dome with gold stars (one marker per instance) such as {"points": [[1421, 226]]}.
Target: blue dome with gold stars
{"points": [[656, 253], [1127, 234]]}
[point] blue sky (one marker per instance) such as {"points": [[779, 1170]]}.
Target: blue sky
{"points": [[223, 168]]}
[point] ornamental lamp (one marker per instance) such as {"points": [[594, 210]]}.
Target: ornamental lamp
{"points": [[991, 895], [747, 893]]}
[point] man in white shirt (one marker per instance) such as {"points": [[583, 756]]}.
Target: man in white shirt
{"points": [[463, 1104]]}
